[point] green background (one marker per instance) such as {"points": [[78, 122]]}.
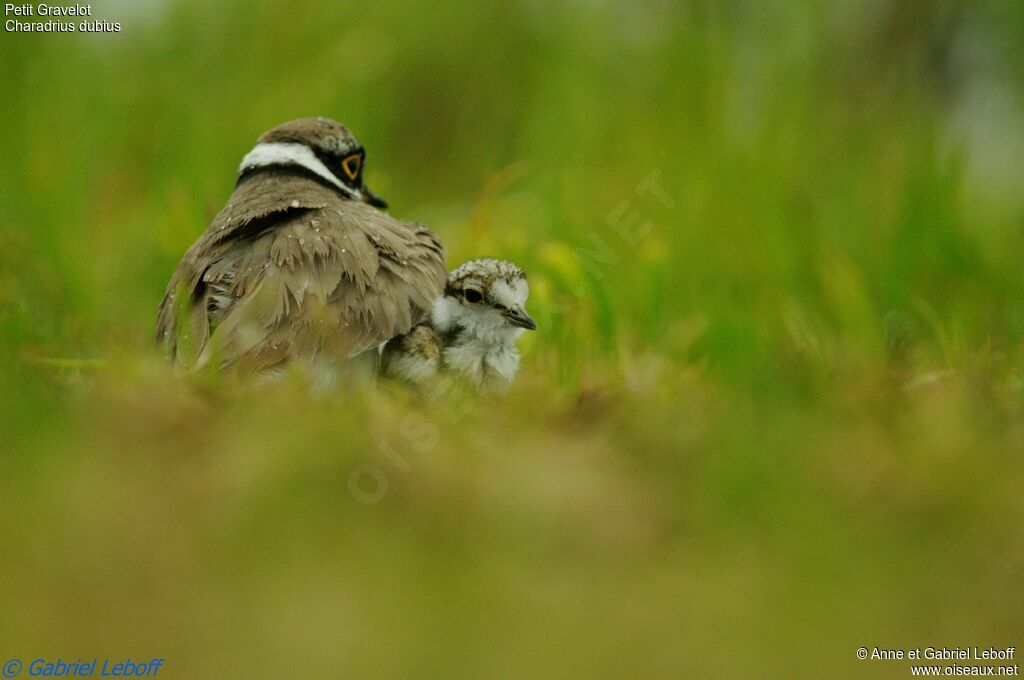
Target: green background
{"points": [[776, 417]]}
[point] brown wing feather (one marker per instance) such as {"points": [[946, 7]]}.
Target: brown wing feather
{"points": [[340, 277]]}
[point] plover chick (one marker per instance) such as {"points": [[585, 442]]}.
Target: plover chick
{"points": [[471, 332]]}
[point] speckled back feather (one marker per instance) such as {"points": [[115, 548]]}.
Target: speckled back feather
{"points": [[291, 269]]}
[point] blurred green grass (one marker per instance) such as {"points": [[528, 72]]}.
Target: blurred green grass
{"points": [[784, 422]]}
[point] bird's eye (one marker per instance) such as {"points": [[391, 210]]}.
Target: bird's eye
{"points": [[473, 295], [352, 165]]}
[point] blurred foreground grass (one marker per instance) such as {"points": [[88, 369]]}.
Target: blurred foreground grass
{"points": [[773, 413]]}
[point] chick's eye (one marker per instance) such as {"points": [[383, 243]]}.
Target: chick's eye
{"points": [[472, 295], [351, 166]]}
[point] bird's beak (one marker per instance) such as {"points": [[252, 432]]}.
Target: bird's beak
{"points": [[373, 199], [518, 317]]}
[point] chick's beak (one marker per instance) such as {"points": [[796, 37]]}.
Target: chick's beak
{"points": [[373, 199], [518, 317]]}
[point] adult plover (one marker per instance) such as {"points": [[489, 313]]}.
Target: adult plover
{"points": [[471, 332], [300, 265]]}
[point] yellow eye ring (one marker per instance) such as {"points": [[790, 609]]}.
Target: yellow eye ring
{"points": [[352, 165]]}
